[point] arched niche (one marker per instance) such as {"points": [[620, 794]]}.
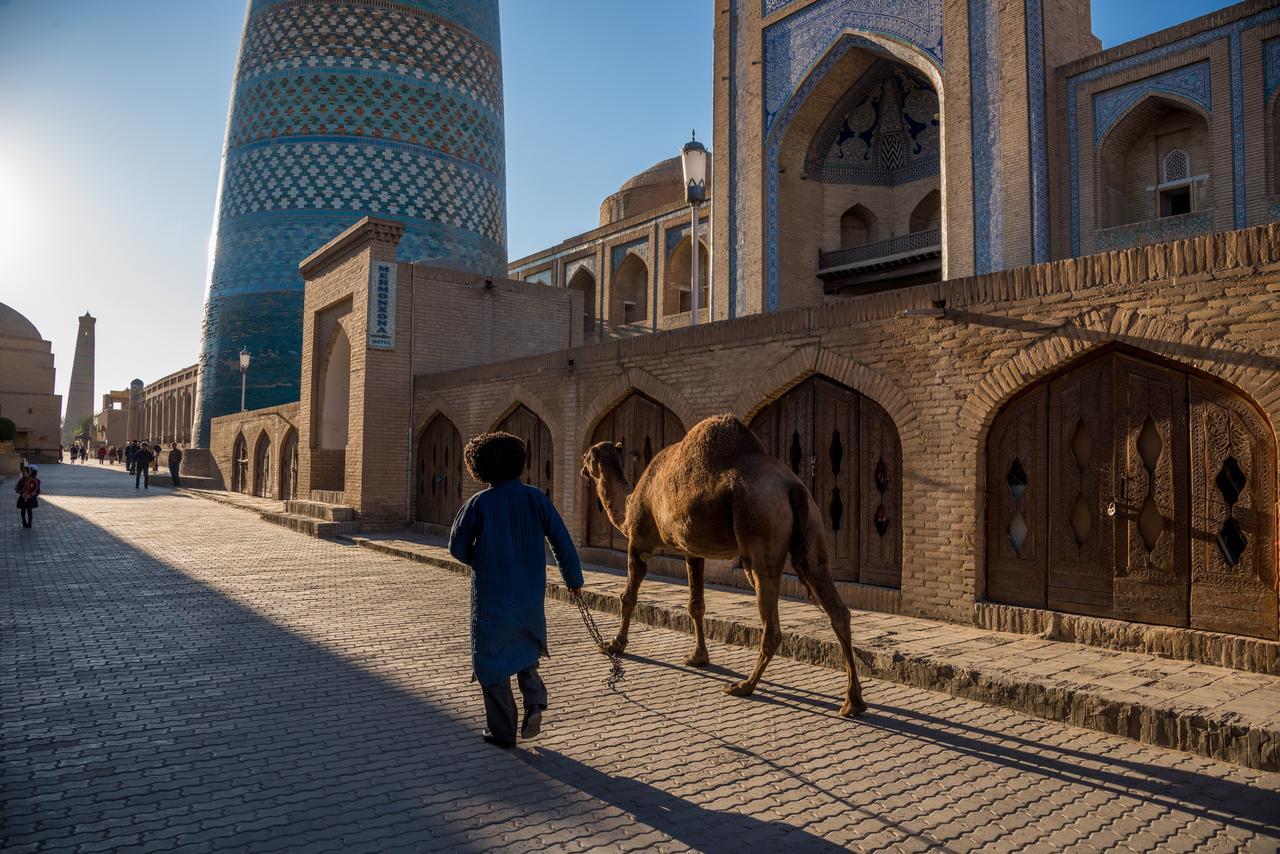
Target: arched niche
{"points": [[1134, 185], [927, 214], [289, 466], [676, 293], [439, 472], [335, 395], [585, 283], [643, 427], [539, 468], [1129, 487], [629, 300], [846, 450], [858, 225], [239, 464], [262, 466]]}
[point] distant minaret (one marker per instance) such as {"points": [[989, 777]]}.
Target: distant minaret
{"points": [[80, 394]]}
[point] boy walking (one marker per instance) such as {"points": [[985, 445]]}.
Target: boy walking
{"points": [[500, 533]]}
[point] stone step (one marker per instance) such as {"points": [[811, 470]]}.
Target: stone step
{"points": [[1212, 711], [329, 496], [310, 525], [321, 510]]}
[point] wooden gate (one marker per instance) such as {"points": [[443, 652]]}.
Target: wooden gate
{"points": [[1154, 490], [289, 467], [439, 472], [539, 464], [644, 427], [845, 449], [262, 467]]}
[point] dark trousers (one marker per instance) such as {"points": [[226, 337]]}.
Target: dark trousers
{"points": [[142, 475], [500, 704], [26, 523], [173, 475]]}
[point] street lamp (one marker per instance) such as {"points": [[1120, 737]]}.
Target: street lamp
{"points": [[244, 372], [693, 159]]}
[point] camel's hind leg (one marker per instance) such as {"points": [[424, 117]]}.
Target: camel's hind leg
{"points": [[828, 599], [694, 566], [768, 584], [636, 569]]}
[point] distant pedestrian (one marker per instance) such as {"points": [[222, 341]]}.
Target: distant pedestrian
{"points": [[59, 453], [155, 458], [28, 490], [501, 533], [175, 460], [102, 453], [142, 466], [130, 450]]}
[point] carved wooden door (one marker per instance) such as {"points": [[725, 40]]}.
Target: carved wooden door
{"points": [[1233, 471], [644, 427], [879, 462], [539, 464], [439, 472], [834, 465], [1152, 546], [1081, 485], [1018, 501]]}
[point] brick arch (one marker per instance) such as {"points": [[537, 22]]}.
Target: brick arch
{"points": [[633, 379], [814, 359], [1248, 373], [440, 407], [516, 395], [1144, 102]]}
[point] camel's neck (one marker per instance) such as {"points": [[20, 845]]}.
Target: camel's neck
{"points": [[614, 493]]}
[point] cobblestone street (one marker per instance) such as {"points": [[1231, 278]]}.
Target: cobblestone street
{"points": [[180, 673]]}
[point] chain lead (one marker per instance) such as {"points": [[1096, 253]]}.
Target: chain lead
{"points": [[615, 660]]}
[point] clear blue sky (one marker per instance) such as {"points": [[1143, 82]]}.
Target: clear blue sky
{"points": [[112, 115]]}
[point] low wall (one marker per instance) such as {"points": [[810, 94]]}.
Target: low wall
{"points": [[277, 423]]}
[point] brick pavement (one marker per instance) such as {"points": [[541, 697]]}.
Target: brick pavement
{"points": [[178, 673]]}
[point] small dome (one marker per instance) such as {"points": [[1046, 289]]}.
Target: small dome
{"points": [[14, 325], [660, 185]]}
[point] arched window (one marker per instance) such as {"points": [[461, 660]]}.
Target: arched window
{"points": [[1145, 164], [585, 283], [630, 286], [858, 225]]}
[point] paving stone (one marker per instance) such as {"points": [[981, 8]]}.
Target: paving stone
{"points": [[223, 683]]}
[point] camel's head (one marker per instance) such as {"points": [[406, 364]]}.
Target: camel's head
{"points": [[603, 461]]}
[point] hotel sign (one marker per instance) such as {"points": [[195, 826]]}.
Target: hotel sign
{"points": [[382, 306]]}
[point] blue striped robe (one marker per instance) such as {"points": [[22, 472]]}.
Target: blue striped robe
{"points": [[500, 533]]}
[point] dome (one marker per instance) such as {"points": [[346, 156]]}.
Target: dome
{"points": [[660, 185], [14, 325]]}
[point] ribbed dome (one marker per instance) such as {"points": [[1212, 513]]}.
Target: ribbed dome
{"points": [[14, 325], [660, 185]]}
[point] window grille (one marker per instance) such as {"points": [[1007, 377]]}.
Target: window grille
{"points": [[1177, 166]]}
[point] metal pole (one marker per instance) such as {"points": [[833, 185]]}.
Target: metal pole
{"points": [[693, 297], [243, 374], [711, 266]]}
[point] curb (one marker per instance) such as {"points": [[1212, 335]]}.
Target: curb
{"points": [[1193, 732]]}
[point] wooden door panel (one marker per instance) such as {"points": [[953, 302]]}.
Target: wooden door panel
{"points": [[880, 498], [600, 531], [1081, 483], [440, 472], [1152, 573], [1233, 471], [834, 461], [539, 465], [1017, 493]]}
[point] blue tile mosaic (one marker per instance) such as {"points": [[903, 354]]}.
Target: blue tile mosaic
{"points": [[637, 247], [984, 105], [1271, 66], [339, 111], [1190, 82], [1038, 122], [737, 237], [1237, 119]]}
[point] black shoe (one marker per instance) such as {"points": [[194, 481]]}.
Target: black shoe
{"points": [[532, 724], [497, 742]]}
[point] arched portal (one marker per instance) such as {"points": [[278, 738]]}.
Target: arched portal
{"points": [[262, 466], [927, 214], [643, 427], [845, 448], [585, 283], [539, 463], [1155, 162], [289, 466], [439, 472], [630, 291], [853, 160], [676, 294], [1129, 488], [239, 464], [335, 392]]}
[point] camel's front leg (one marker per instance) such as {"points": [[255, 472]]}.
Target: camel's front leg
{"points": [[768, 584], [694, 567], [636, 570]]}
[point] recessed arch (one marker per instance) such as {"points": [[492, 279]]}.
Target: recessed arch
{"points": [[858, 226], [927, 214], [678, 276], [584, 281], [262, 466], [239, 464], [540, 461], [629, 291], [335, 391], [632, 379], [288, 456], [439, 472]]}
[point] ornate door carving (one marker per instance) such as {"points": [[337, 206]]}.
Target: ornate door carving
{"points": [[1017, 502], [1233, 471], [1152, 572], [834, 466], [644, 427], [539, 468], [1081, 484], [880, 497], [439, 472]]}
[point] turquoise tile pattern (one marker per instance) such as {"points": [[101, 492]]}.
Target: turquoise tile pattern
{"points": [[341, 110]]}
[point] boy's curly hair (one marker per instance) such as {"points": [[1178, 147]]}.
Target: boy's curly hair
{"points": [[495, 457]]}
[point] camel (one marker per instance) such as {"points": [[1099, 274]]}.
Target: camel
{"points": [[718, 494]]}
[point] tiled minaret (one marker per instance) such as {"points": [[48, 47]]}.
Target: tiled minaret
{"points": [[341, 110], [80, 393]]}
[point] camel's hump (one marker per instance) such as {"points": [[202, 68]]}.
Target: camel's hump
{"points": [[721, 439]]}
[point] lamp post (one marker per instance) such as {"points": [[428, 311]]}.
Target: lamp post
{"points": [[244, 372], [693, 160]]}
